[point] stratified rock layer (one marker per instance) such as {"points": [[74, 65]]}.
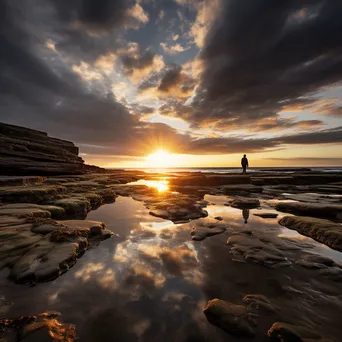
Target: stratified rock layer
{"points": [[26, 151]]}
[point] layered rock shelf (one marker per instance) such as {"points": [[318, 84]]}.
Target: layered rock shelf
{"points": [[26, 151]]}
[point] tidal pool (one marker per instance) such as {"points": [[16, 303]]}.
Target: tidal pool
{"points": [[152, 282]]}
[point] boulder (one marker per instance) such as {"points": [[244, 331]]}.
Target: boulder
{"points": [[233, 319]]}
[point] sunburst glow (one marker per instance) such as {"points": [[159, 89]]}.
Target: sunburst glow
{"points": [[160, 159]]}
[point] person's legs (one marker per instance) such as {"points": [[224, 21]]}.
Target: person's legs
{"points": [[243, 170]]}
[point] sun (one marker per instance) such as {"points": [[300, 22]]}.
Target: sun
{"points": [[160, 158]]}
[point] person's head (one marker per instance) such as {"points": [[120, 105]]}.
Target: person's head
{"points": [[244, 155]]}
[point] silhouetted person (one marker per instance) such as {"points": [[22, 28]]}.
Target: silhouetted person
{"points": [[244, 164], [245, 214]]}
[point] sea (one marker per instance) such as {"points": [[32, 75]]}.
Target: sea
{"points": [[236, 169]]}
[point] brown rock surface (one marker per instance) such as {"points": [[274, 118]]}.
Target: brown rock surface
{"points": [[324, 231], [26, 151]]}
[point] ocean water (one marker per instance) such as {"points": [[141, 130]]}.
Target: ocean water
{"points": [[238, 169]]}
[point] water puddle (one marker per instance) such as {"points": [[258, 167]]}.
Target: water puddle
{"points": [[161, 185], [152, 282]]}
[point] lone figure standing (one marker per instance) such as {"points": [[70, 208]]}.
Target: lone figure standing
{"points": [[244, 164]]}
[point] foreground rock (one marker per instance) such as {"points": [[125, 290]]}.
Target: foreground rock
{"points": [[321, 230], [42, 327], [233, 319], [26, 151], [244, 202], [38, 249], [285, 332], [202, 229], [266, 215], [323, 210], [248, 247]]}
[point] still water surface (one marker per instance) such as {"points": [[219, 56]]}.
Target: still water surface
{"points": [[152, 282]]}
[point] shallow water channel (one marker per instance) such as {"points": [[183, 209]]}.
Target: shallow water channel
{"points": [[152, 282]]}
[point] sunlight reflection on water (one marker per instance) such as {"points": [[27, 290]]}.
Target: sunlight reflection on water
{"points": [[161, 185]]}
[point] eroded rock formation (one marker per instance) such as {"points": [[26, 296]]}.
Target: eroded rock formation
{"points": [[26, 151]]}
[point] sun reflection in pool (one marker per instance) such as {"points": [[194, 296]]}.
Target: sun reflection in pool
{"points": [[161, 185]]}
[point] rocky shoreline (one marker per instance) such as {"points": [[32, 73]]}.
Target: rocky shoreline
{"points": [[44, 231]]}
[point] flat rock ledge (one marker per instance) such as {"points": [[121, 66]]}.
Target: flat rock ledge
{"points": [[323, 231], [244, 202], [37, 248], [201, 229], [46, 326], [320, 210], [246, 247]]}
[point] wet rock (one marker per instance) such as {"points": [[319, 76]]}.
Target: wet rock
{"points": [[250, 248], [266, 214], [241, 189], [74, 206], [202, 229], [42, 327], [284, 332], [30, 194], [274, 180], [17, 180], [316, 261], [233, 319], [321, 210], [24, 212], [210, 180], [244, 202], [257, 302], [321, 230], [56, 212], [42, 249]]}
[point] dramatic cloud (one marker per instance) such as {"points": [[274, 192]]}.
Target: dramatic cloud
{"points": [[95, 71], [173, 49], [263, 56]]}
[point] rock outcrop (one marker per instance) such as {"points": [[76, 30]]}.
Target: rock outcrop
{"points": [[26, 151], [324, 231]]}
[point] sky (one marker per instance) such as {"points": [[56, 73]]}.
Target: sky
{"points": [[204, 80]]}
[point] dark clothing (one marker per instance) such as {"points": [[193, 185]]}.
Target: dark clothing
{"points": [[244, 164]]}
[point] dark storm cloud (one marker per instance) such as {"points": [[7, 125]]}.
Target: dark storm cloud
{"points": [[241, 144], [171, 78], [39, 88], [97, 15], [140, 62], [264, 55], [245, 81]]}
